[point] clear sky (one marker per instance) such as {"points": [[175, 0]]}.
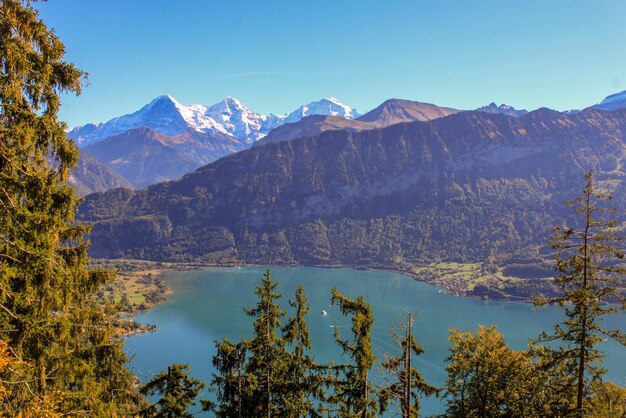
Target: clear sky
{"points": [[277, 55]]}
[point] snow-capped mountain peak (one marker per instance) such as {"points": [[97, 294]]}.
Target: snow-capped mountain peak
{"points": [[612, 102], [166, 115], [328, 106], [237, 120]]}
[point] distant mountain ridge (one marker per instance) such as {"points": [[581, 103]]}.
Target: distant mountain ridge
{"points": [[167, 116], [390, 112], [91, 176], [502, 109], [165, 140], [394, 111], [613, 102]]}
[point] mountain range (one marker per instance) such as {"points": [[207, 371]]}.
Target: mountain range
{"points": [[167, 116], [468, 187], [165, 139]]}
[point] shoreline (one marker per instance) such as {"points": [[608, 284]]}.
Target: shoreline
{"points": [[455, 279]]}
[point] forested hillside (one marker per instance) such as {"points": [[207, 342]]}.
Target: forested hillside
{"points": [[470, 187]]}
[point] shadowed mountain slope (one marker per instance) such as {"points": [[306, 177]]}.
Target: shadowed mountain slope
{"points": [[144, 156], [93, 176]]}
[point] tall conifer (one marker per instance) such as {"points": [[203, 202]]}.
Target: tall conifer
{"points": [[592, 286], [303, 382], [266, 365], [48, 312], [229, 382], [354, 394], [177, 392]]}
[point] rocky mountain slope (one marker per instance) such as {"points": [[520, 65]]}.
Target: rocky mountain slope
{"points": [[503, 109], [144, 156], [470, 187], [92, 176]]}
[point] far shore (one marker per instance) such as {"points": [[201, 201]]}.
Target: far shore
{"points": [[455, 279]]}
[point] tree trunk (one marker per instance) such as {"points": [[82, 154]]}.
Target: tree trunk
{"points": [[583, 337]]}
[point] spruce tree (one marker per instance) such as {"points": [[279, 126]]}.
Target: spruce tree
{"points": [[49, 315], [404, 383], [354, 394], [303, 382], [591, 286], [229, 383], [266, 364], [178, 393]]}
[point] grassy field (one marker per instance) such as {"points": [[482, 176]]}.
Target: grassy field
{"points": [[137, 286], [477, 280]]}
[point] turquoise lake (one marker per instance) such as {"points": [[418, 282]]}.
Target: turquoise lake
{"points": [[208, 305]]}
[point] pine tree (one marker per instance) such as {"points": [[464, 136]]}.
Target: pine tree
{"points": [[48, 311], [354, 394], [229, 383], [591, 284], [303, 383], [267, 361], [405, 383], [178, 392]]}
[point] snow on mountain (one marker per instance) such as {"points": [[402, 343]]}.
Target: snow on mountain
{"points": [[163, 114], [239, 121], [328, 107], [612, 102], [502, 109], [167, 116]]}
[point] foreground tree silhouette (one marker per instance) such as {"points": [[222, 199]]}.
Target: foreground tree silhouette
{"points": [[405, 383], [591, 287], [49, 315], [354, 394], [178, 392]]}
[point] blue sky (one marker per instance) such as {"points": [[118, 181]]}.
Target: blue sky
{"points": [[277, 55]]}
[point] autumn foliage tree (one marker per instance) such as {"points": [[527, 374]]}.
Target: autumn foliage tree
{"points": [[488, 379]]}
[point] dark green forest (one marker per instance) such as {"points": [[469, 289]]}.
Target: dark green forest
{"points": [[60, 353]]}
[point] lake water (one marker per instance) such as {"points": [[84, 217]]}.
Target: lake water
{"points": [[207, 305]]}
